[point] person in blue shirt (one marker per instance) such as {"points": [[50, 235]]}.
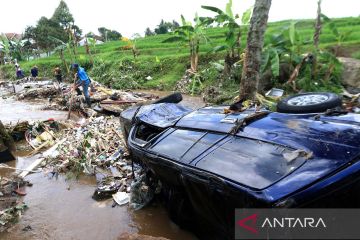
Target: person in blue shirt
{"points": [[82, 80]]}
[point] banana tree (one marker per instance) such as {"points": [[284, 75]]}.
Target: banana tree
{"points": [[192, 36], [16, 48], [296, 42], [90, 42], [5, 47], [60, 48], [233, 34], [285, 46], [11, 48]]}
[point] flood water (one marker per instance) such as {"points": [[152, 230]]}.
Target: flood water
{"points": [[63, 209], [13, 111]]}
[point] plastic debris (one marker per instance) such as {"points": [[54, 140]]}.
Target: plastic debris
{"points": [[121, 198], [275, 93], [106, 188]]}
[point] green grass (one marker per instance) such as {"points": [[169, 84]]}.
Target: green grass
{"points": [[356, 54], [174, 56]]}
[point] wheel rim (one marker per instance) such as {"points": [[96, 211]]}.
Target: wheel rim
{"points": [[307, 100]]}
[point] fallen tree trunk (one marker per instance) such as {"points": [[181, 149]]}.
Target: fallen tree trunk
{"points": [[118, 102]]}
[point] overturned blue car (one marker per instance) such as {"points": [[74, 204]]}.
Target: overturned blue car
{"points": [[211, 161]]}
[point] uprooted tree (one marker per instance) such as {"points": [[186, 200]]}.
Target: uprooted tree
{"points": [[252, 63]]}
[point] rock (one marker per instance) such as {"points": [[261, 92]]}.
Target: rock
{"points": [[351, 73]]}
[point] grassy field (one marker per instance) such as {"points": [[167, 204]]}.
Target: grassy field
{"points": [[166, 62]]}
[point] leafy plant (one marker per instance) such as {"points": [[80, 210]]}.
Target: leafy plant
{"points": [[192, 36], [285, 46], [131, 44], [232, 44], [273, 52], [4, 43], [12, 48], [196, 83], [60, 48], [340, 36]]}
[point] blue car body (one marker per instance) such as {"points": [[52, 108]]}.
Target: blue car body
{"points": [[210, 162]]}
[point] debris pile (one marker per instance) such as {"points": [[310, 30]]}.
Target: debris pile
{"points": [[108, 101], [93, 146], [351, 102], [88, 143], [11, 206], [18, 130], [143, 190], [42, 133], [34, 93], [183, 84]]}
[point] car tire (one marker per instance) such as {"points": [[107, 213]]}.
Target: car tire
{"points": [[313, 102], [172, 98]]}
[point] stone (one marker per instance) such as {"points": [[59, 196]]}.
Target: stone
{"points": [[351, 73]]}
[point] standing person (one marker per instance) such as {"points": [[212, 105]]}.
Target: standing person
{"points": [[58, 75], [34, 72], [19, 72], [82, 80]]}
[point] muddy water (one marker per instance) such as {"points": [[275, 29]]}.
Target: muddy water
{"points": [[63, 209], [13, 111], [60, 209]]}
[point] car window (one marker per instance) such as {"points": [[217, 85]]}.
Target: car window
{"points": [[250, 162], [177, 143]]}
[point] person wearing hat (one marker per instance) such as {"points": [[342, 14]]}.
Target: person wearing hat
{"points": [[82, 80], [58, 75]]}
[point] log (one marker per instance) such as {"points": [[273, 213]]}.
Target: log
{"points": [[118, 102], [71, 99]]}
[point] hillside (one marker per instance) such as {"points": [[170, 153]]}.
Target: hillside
{"points": [[166, 62]]}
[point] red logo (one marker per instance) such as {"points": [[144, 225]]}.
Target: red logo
{"points": [[250, 227]]}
